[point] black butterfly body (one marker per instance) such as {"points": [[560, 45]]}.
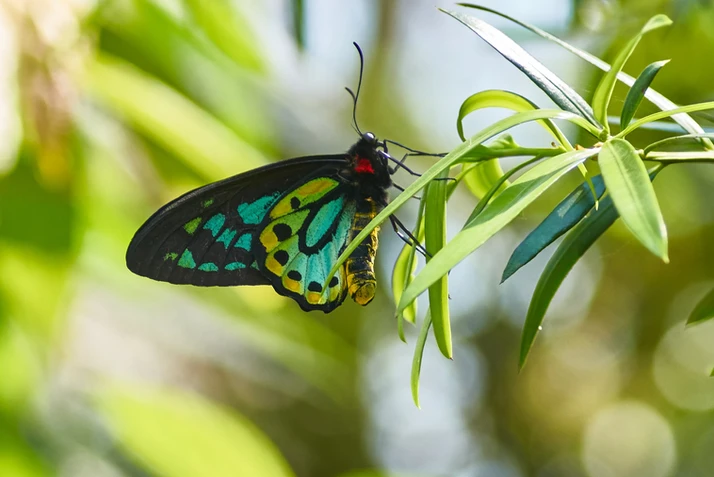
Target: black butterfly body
{"points": [[283, 225]]}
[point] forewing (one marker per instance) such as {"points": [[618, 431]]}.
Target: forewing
{"points": [[206, 237], [300, 239]]}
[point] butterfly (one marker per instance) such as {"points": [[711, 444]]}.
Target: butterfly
{"points": [[283, 225]]}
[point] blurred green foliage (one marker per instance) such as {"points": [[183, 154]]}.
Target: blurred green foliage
{"points": [[121, 105]]}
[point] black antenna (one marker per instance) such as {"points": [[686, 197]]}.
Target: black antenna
{"points": [[359, 87]]}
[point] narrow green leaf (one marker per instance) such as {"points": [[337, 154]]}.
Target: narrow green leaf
{"points": [[435, 237], [666, 114], [495, 98], [684, 120], [637, 92], [403, 272], [564, 216], [704, 310], [496, 215], [674, 139], [418, 356], [454, 157], [402, 275], [629, 186], [712, 373], [574, 246], [603, 92], [691, 156], [559, 91]]}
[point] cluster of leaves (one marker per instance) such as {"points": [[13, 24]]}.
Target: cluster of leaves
{"points": [[624, 180]]}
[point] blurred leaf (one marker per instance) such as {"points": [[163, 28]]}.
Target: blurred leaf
{"points": [[631, 190], [564, 216], [505, 99], [418, 356], [603, 92], [299, 23], [21, 370], [638, 90], [666, 114], [574, 246], [17, 459], [230, 31], [496, 215], [559, 91], [496, 188], [175, 434], [33, 215], [25, 275], [659, 100], [483, 175], [458, 154], [170, 119], [174, 52], [377, 473], [704, 310], [435, 237]]}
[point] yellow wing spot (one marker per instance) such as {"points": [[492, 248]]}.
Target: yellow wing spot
{"points": [[273, 265], [315, 186], [335, 293], [311, 190], [292, 285], [282, 208], [314, 298], [269, 239], [275, 262]]}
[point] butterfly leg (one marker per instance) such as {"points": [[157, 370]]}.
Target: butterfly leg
{"points": [[406, 235], [400, 164], [400, 188]]}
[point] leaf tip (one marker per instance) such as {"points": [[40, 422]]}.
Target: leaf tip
{"points": [[507, 273], [665, 257]]}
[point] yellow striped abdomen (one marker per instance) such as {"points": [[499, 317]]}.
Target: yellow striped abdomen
{"points": [[361, 282]]}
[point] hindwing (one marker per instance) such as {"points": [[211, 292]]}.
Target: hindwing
{"points": [[301, 238]]}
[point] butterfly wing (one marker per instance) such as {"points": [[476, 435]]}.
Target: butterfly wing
{"points": [[206, 237], [302, 236]]}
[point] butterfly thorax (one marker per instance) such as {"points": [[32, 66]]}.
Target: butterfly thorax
{"points": [[368, 171]]}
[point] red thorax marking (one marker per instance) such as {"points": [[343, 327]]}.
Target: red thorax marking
{"points": [[364, 166]]}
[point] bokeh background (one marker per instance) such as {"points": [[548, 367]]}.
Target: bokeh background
{"points": [[110, 108]]}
